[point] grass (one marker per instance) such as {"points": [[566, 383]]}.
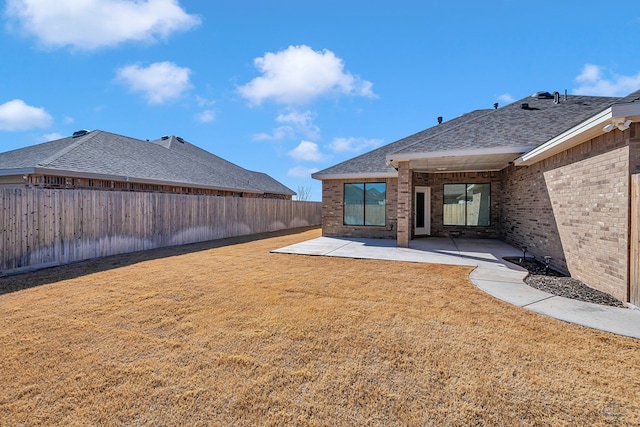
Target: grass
{"points": [[226, 333]]}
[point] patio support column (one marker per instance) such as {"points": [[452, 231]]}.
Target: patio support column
{"points": [[404, 204]]}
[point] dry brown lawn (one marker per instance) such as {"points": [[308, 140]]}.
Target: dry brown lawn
{"points": [[226, 333]]}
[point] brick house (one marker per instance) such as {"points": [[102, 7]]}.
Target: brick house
{"points": [[552, 173], [102, 160]]}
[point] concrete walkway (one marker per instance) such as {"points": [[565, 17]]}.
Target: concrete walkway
{"points": [[492, 274]]}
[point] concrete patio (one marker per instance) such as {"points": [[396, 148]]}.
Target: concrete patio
{"points": [[492, 274]]}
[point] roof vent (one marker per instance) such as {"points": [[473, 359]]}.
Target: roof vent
{"points": [[80, 132], [180, 139], [556, 97], [524, 106], [439, 119], [495, 106], [542, 95], [164, 137]]}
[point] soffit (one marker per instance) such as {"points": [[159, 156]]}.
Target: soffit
{"points": [[468, 163]]}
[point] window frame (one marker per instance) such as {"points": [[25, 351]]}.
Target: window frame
{"points": [[466, 204], [364, 204]]}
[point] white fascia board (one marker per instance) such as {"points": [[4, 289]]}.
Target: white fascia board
{"points": [[120, 178], [396, 157], [17, 171], [625, 110], [455, 171], [368, 175], [580, 133]]}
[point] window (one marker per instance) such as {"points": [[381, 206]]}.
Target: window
{"points": [[364, 203], [467, 204]]}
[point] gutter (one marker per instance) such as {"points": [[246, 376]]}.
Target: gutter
{"points": [[365, 175], [119, 178], [394, 158], [17, 171]]}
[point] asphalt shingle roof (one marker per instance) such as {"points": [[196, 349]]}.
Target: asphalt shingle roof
{"points": [[514, 126], [169, 160], [375, 161], [509, 126]]}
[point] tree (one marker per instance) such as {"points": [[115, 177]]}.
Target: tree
{"points": [[304, 193]]}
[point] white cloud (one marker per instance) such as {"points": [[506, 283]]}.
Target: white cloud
{"points": [[16, 115], [592, 81], [302, 122], [590, 73], [206, 116], [295, 123], [52, 136], [307, 151], [278, 134], [506, 98], [91, 24], [204, 102], [159, 82], [299, 74], [353, 145], [301, 172]]}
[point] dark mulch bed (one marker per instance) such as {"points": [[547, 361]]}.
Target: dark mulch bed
{"points": [[556, 283]]}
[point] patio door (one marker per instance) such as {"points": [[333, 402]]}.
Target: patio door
{"points": [[422, 211]]}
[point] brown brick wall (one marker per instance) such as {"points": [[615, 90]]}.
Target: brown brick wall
{"points": [[405, 216], [332, 211], [574, 208], [436, 182]]}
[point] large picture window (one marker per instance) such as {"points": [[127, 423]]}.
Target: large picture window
{"points": [[364, 203], [467, 204]]}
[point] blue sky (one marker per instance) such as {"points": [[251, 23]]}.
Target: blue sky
{"points": [[291, 87]]}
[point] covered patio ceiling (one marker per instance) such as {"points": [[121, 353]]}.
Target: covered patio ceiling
{"points": [[460, 160]]}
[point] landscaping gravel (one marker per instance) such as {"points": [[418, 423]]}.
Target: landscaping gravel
{"points": [[556, 283]]}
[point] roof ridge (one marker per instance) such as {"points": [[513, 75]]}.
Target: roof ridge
{"points": [[448, 129], [630, 98], [66, 150]]}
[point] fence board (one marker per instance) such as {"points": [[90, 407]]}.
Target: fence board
{"points": [[45, 226]]}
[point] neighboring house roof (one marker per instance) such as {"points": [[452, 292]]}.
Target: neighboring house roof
{"points": [[480, 140], [166, 161]]}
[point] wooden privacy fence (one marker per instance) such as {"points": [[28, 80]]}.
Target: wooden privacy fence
{"points": [[42, 227], [634, 240]]}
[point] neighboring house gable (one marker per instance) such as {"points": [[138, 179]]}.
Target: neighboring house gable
{"points": [[105, 160]]}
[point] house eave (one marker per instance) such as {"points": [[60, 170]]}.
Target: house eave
{"points": [[591, 128], [357, 175], [465, 160], [16, 171], [429, 171], [122, 178], [394, 158]]}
